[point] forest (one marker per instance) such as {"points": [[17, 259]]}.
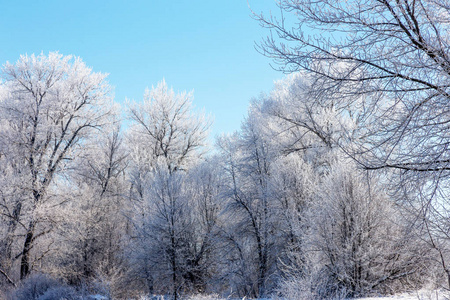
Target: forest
{"points": [[335, 186]]}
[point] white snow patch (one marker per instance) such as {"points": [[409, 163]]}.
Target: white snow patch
{"points": [[417, 295]]}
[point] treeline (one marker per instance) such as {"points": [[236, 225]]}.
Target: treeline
{"points": [[278, 208]]}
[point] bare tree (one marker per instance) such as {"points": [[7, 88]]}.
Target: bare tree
{"points": [[202, 190], [387, 64], [165, 140], [329, 217], [52, 104], [247, 158], [357, 238], [388, 59], [94, 240], [164, 127]]}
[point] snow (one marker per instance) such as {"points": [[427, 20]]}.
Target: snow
{"points": [[417, 295], [97, 297]]}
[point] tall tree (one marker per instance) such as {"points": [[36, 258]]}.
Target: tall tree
{"points": [[331, 240], [387, 63], [247, 158], [202, 189], [94, 239], [357, 241], [52, 104], [389, 60], [165, 128], [166, 139]]}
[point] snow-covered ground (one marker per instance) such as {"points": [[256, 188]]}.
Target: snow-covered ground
{"points": [[418, 295]]}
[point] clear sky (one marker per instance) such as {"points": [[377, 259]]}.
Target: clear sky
{"points": [[206, 45]]}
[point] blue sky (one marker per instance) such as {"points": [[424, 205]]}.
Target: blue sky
{"points": [[207, 46]]}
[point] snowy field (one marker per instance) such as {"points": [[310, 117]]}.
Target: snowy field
{"points": [[418, 295]]}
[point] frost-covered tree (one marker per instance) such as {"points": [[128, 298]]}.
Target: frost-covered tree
{"points": [[94, 240], [388, 63], [294, 183], [307, 173], [49, 106], [203, 187], [247, 159], [165, 139], [163, 235], [389, 59], [165, 128], [357, 241]]}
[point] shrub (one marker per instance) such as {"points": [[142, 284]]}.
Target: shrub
{"points": [[43, 287]]}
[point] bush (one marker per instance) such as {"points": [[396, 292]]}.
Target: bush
{"points": [[60, 293], [43, 287]]}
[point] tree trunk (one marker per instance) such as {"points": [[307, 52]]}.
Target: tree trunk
{"points": [[25, 261], [174, 267]]}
